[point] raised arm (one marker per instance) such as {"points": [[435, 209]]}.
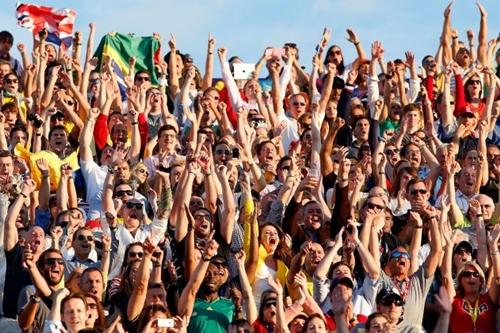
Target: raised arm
{"points": [[250, 306], [11, 236], [416, 240], [138, 297], [209, 63], [482, 47], [434, 256], [188, 296], [353, 38], [87, 135], [172, 67], [229, 211], [326, 162], [446, 36]]}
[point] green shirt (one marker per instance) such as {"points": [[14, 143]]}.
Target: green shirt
{"points": [[212, 316]]}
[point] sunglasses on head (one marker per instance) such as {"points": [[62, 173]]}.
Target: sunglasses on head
{"points": [[89, 238], [421, 191], [469, 274], [53, 261], [136, 254], [142, 78], [398, 254], [388, 301], [123, 192], [135, 205]]}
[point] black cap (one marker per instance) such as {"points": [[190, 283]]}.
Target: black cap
{"points": [[343, 281], [463, 245], [386, 295], [219, 260]]}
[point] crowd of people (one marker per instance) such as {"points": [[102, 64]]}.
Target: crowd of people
{"points": [[358, 197]]}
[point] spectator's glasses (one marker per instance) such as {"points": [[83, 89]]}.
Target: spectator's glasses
{"points": [[95, 81], [285, 167], [123, 192], [335, 52], [391, 151], [135, 205], [299, 104], [92, 306], [398, 254], [89, 238], [371, 205], [388, 301], [136, 255], [419, 190], [462, 252], [201, 217], [269, 304], [469, 274], [53, 261], [10, 81], [143, 171], [142, 79], [471, 82], [223, 152]]}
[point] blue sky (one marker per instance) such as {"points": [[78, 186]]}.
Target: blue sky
{"points": [[247, 27]]}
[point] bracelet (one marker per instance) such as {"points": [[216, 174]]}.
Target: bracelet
{"points": [[38, 134], [381, 173], [479, 215], [344, 179], [206, 258], [495, 253], [357, 43], [106, 251], [418, 227], [24, 195], [157, 265], [45, 175], [210, 53], [135, 123], [456, 37]]}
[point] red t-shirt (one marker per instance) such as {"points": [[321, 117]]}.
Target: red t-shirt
{"points": [[461, 315]]}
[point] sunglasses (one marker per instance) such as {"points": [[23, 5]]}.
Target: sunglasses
{"points": [[421, 191], [53, 261], [201, 217], [371, 205], [89, 238], [123, 192], [142, 79], [142, 171], [269, 304], [223, 152], [469, 274], [136, 254], [9, 81], [299, 104], [337, 52], [391, 151], [135, 205], [468, 115], [462, 251], [397, 254], [92, 306], [390, 300], [474, 82]]}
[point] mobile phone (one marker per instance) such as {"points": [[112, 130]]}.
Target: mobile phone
{"points": [[165, 322], [236, 153], [243, 71]]}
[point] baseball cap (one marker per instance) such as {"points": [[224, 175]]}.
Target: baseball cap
{"points": [[463, 245], [345, 281], [387, 296]]}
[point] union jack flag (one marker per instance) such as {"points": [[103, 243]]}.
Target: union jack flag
{"points": [[57, 22]]}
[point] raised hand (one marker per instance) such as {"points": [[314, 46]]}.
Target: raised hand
{"points": [[222, 52], [493, 237], [28, 257], [28, 186], [172, 42], [482, 11], [410, 59], [42, 165], [275, 285], [94, 113], [351, 36], [211, 248], [377, 50], [443, 300], [211, 43], [447, 10]]}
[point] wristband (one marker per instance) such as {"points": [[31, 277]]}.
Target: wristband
{"points": [[418, 227], [24, 195], [356, 43], [135, 123], [157, 265], [381, 173], [35, 299], [162, 82], [479, 215], [206, 258]]}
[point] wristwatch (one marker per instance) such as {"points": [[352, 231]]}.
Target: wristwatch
{"points": [[35, 299]]}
